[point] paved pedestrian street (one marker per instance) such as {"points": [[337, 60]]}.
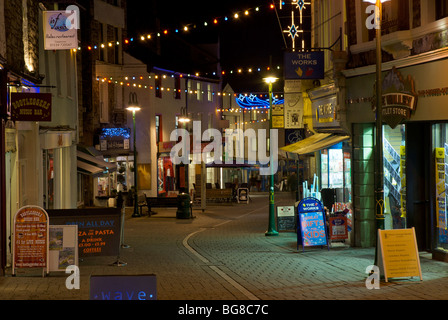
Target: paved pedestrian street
{"points": [[222, 254]]}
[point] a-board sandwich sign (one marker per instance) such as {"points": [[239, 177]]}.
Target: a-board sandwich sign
{"points": [[99, 229], [312, 223], [286, 218], [30, 244], [398, 253]]}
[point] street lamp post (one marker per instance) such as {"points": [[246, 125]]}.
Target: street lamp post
{"points": [[133, 106], [271, 228], [379, 171]]}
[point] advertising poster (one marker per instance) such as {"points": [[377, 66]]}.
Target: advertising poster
{"points": [[30, 245], [63, 246], [338, 228], [312, 223]]}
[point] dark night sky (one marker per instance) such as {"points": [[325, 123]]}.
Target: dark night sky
{"points": [[250, 41]]}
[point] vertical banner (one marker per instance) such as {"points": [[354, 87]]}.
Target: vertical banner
{"points": [[403, 180], [30, 245]]}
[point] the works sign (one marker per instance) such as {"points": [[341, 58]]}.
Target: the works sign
{"points": [[399, 99]]}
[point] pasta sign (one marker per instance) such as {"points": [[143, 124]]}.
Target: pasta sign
{"points": [[312, 223]]}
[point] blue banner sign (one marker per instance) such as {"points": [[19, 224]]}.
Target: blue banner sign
{"points": [[304, 65], [311, 223]]}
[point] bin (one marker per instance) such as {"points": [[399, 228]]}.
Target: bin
{"points": [[183, 206]]}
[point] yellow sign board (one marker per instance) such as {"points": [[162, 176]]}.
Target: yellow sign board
{"points": [[399, 253]]}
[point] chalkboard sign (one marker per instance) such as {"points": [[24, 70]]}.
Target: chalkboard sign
{"points": [[312, 223], [99, 229], [286, 218]]}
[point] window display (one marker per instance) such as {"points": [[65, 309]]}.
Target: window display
{"points": [[440, 145]]}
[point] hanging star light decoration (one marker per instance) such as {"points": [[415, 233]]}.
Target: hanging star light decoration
{"points": [[294, 30]]}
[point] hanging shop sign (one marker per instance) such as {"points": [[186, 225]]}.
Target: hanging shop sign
{"points": [[324, 102], [312, 223], [60, 30], [399, 99], [398, 253], [114, 139], [304, 65], [30, 106], [30, 245]]}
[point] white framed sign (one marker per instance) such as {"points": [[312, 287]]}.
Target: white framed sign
{"points": [[60, 30]]}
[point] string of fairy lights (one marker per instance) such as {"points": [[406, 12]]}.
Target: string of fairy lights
{"points": [[148, 82], [235, 16], [141, 82]]}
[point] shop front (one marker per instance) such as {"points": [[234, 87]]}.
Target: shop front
{"points": [[415, 149]]}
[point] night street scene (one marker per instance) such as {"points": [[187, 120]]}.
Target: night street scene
{"points": [[214, 159]]}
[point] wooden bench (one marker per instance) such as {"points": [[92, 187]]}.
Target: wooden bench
{"points": [[165, 202], [221, 195]]}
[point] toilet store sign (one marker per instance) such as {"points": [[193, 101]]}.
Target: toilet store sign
{"points": [[399, 98], [30, 245]]}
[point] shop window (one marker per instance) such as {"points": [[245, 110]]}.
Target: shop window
{"points": [[159, 133], [394, 163], [441, 9], [440, 145], [158, 86]]}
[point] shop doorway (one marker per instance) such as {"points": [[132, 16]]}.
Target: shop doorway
{"points": [[418, 164]]}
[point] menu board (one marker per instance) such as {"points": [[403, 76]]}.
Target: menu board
{"points": [[399, 253], [98, 229], [30, 245], [312, 223]]}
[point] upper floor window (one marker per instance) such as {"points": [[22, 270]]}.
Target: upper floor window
{"points": [[441, 9]]}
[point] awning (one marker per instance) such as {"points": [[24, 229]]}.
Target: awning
{"points": [[320, 141], [88, 168], [91, 164], [305, 142]]}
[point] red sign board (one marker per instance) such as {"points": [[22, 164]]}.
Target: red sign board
{"points": [[338, 228], [30, 238], [30, 106]]}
